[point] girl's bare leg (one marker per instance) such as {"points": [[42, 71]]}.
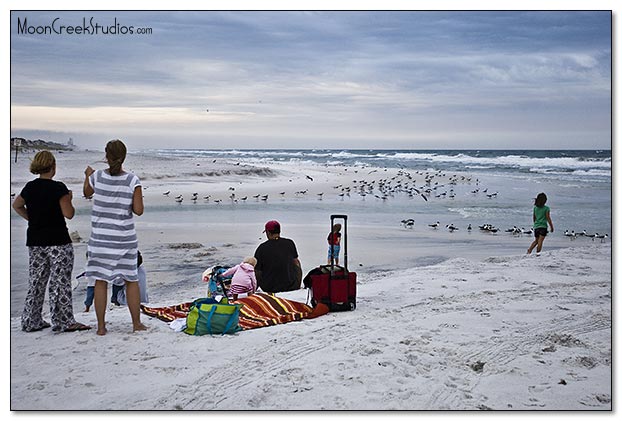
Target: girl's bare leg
{"points": [[532, 246]]}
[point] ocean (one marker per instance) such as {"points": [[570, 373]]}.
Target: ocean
{"points": [[577, 183], [578, 163]]}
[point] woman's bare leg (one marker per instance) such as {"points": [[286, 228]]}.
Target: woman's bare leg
{"points": [[100, 298], [132, 293]]}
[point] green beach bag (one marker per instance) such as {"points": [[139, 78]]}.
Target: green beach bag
{"points": [[208, 316]]}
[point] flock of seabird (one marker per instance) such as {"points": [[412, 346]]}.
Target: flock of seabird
{"points": [[403, 183], [410, 224], [386, 188], [573, 235]]}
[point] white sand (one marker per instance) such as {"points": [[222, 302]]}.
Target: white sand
{"points": [[540, 327]]}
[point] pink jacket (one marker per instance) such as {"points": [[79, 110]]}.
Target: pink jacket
{"points": [[243, 275]]}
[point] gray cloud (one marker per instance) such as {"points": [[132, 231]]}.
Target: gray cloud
{"points": [[340, 79]]}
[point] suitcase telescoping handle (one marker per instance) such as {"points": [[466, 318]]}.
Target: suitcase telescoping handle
{"points": [[344, 242]]}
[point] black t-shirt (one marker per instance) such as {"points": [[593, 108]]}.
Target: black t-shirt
{"points": [[46, 223], [275, 261]]}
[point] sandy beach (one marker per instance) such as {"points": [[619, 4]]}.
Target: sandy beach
{"points": [[444, 320]]}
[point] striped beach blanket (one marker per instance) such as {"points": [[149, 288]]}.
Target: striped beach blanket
{"points": [[259, 310]]}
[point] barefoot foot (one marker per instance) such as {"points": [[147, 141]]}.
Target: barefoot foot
{"points": [[139, 327]]}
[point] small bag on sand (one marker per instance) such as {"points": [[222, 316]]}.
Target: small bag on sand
{"points": [[208, 316]]}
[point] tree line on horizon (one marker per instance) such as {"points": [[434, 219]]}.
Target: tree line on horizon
{"points": [[38, 144]]}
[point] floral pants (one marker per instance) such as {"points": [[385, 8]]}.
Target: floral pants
{"points": [[53, 264]]}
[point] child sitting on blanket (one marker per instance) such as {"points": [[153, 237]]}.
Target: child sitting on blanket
{"points": [[243, 281]]}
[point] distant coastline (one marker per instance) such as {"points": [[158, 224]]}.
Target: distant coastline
{"points": [[38, 144]]}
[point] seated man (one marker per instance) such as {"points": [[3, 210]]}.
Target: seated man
{"points": [[278, 268]]}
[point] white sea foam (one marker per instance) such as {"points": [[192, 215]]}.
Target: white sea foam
{"points": [[516, 161]]}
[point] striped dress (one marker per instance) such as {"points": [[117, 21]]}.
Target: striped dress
{"points": [[113, 247]]}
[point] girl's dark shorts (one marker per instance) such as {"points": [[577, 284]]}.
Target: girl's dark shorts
{"points": [[540, 232]]}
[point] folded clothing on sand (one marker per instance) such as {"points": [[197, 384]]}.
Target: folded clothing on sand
{"points": [[259, 310]]}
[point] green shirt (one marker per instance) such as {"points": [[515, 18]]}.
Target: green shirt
{"points": [[540, 214]]}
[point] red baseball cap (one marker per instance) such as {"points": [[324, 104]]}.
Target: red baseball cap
{"points": [[272, 226]]}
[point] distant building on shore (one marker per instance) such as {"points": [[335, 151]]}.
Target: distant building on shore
{"points": [[36, 145]]}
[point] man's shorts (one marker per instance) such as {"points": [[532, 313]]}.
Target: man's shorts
{"points": [[540, 232]]}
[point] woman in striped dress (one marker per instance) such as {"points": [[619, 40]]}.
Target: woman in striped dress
{"points": [[112, 254]]}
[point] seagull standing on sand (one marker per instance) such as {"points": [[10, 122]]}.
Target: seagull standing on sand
{"points": [[571, 235], [602, 237], [408, 223]]}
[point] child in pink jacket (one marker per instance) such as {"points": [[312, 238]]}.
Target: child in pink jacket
{"points": [[243, 281]]}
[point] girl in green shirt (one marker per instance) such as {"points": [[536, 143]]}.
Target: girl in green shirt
{"points": [[541, 216]]}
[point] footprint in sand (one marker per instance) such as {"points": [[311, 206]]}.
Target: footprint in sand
{"points": [[539, 388], [370, 351], [596, 400], [37, 386]]}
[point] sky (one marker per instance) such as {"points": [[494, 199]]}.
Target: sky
{"points": [[316, 79]]}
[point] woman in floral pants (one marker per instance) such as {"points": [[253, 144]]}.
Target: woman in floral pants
{"points": [[45, 204]]}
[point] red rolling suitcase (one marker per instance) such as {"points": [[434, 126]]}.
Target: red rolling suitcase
{"points": [[333, 285]]}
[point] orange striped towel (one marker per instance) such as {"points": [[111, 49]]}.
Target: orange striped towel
{"points": [[259, 310]]}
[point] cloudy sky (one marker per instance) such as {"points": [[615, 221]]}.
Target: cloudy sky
{"points": [[330, 79]]}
